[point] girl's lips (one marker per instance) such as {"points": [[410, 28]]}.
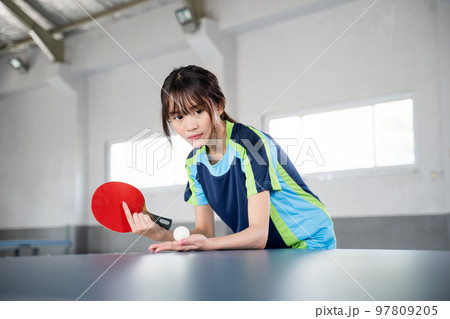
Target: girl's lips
{"points": [[194, 137]]}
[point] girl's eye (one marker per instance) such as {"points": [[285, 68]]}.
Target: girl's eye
{"points": [[198, 112], [177, 118]]}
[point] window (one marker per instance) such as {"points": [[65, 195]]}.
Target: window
{"points": [[147, 160], [375, 135]]}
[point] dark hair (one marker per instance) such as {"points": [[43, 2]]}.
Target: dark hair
{"points": [[188, 87]]}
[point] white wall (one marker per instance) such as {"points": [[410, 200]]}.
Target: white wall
{"points": [[37, 150], [443, 23], [55, 120], [393, 48]]}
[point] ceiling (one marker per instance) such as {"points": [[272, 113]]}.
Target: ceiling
{"points": [[47, 22]]}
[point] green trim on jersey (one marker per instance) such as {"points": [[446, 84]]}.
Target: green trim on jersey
{"points": [[300, 192], [189, 162], [273, 175], [288, 236]]}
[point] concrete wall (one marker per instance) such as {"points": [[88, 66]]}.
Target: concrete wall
{"points": [[55, 120]]}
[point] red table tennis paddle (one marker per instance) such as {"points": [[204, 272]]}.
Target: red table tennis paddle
{"points": [[107, 206]]}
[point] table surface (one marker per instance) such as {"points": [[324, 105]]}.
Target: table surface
{"points": [[279, 274]]}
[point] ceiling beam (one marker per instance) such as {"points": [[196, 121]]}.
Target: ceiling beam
{"points": [[76, 24], [197, 6], [53, 48]]}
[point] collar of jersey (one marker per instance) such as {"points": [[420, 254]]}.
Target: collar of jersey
{"points": [[222, 166]]}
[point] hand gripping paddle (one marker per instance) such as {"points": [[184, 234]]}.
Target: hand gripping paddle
{"points": [[107, 206]]}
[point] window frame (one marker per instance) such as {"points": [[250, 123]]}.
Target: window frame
{"points": [[145, 190], [376, 171]]}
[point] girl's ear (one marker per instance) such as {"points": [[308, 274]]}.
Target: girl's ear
{"points": [[217, 116]]}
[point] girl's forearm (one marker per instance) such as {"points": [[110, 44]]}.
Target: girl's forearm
{"points": [[202, 232], [253, 237]]}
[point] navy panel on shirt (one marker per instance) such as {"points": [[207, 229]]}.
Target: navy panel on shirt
{"points": [[227, 195]]}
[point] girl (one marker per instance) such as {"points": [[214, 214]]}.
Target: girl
{"points": [[236, 171]]}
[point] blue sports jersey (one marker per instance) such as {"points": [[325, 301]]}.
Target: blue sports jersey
{"points": [[253, 162]]}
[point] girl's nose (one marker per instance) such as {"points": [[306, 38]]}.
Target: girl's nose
{"points": [[191, 124]]}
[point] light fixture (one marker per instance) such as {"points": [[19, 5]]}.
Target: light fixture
{"points": [[186, 19], [17, 64]]}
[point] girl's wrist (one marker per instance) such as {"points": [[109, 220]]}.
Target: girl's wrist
{"points": [[157, 234], [165, 235], [211, 244]]}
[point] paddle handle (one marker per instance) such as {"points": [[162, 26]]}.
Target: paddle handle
{"points": [[161, 221]]}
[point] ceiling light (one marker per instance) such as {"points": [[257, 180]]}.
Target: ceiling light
{"points": [[17, 64], [186, 19]]}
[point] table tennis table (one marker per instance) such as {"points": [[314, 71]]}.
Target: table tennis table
{"points": [[278, 274]]}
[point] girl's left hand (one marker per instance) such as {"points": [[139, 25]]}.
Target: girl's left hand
{"points": [[193, 242]]}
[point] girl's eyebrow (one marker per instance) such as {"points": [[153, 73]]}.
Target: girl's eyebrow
{"points": [[191, 108]]}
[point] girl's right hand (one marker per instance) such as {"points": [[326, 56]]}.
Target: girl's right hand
{"points": [[141, 224]]}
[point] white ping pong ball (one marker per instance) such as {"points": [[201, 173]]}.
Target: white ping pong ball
{"points": [[181, 233]]}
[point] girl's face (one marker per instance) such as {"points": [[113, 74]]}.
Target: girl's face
{"points": [[194, 127]]}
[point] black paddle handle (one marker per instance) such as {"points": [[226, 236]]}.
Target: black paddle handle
{"points": [[162, 221]]}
